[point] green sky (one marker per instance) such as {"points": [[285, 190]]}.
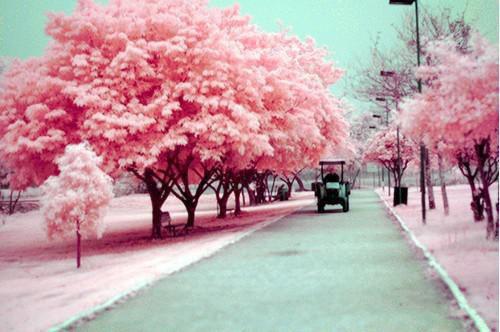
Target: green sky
{"points": [[345, 27]]}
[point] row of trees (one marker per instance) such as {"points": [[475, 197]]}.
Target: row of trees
{"points": [[183, 96], [456, 116]]}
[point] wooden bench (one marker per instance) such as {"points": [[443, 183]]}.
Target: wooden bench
{"points": [[172, 229]]}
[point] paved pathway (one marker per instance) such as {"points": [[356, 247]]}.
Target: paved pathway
{"points": [[307, 272]]}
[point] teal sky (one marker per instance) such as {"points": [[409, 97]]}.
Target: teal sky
{"points": [[345, 27]]}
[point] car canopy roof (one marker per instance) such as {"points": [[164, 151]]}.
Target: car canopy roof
{"points": [[332, 162]]}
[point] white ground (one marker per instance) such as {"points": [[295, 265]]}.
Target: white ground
{"points": [[459, 245], [41, 287]]}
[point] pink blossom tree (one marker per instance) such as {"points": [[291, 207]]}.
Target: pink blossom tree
{"points": [[460, 105], [382, 149], [170, 91], [75, 201]]}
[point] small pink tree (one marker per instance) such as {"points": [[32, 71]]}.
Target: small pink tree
{"points": [[382, 149], [77, 198]]}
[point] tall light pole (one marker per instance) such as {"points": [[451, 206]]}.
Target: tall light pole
{"points": [[387, 125], [419, 83], [391, 73]]}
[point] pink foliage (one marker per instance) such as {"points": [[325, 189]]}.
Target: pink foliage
{"points": [[138, 81], [80, 194], [382, 148], [459, 104]]}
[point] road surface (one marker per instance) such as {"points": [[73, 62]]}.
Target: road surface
{"points": [[307, 272]]}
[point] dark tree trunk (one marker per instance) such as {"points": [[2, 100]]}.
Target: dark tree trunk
{"points": [[482, 153], [355, 177], [289, 183], [476, 205], [158, 189], [464, 164], [260, 188], [289, 186], [237, 206], [428, 181], [222, 202], [206, 175], [271, 191], [223, 191], [299, 182], [78, 245], [191, 210], [444, 194], [252, 200], [156, 203], [13, 201], [156, 229]]}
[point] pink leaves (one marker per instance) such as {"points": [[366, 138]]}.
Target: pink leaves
{"points": [[460, 102], [382, 148], [140, 81], [80, 193]]}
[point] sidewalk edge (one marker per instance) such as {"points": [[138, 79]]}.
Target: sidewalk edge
{"points": [[478, 321]]}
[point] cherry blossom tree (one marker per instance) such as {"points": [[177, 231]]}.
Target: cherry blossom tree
{"points": [[360, 134], [76, 200], [367, 83], [171, 91], [382, 149], [460, 106]]}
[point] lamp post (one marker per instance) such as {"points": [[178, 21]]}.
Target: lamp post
{"points": [[388, 174], [387, 125], [391, 73], [419, 83]]}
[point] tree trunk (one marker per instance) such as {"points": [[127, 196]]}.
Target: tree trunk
{"points": [[156, 229], [476, 203], [289, 186], [482, 152], [13, 201], [428, 181], [78, 244], [300, 183], [191, 210], [444, 194], [222, 202], [237, 206], [271, 191], [251, 196], [157, 199]]}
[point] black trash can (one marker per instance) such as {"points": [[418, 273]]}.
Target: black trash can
{"points": [[400, 195]]}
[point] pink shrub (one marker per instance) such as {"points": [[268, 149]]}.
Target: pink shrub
{"points": [[77, 198]]}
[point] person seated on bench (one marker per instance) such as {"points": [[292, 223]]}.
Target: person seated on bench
{"points": [[332, 181]]}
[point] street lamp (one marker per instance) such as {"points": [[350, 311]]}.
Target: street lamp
{"points": [[391, 73], [419, 82], [388, 174], [387, 124]]}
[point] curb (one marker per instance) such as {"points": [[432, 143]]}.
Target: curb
{"points": [[478, 321], [68, 323]]}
